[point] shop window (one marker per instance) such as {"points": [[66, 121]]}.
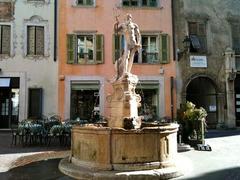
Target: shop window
{"points": [[149, 101], [35, 101], [85, 49], [84, 101], [155, 49], [197, 35], [35, 40], [5, 39]]}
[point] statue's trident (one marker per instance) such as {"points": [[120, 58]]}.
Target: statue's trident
{"points": [[116, 15]]}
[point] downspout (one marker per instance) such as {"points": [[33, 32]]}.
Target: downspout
{"points": [[171, 96], [173, 30], [55, 31], [174, 58]]}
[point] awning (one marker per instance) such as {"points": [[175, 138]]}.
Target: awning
{"points": [[5, 82]]}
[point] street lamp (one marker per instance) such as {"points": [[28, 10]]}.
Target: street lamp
{"points": [[186, 45]]}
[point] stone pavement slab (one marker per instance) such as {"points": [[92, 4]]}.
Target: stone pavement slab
{"points": [[12, 156], [222, 163]]}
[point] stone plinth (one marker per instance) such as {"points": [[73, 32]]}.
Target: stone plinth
{"points": [[100, 150], [124, 102]]}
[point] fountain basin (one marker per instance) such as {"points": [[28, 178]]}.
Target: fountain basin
{"points": [[105, 149]]}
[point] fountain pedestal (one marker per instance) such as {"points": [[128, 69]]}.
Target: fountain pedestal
{"points": [[124, 102]]}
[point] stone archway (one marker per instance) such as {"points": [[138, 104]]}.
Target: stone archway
{"points": [[202, 91]]}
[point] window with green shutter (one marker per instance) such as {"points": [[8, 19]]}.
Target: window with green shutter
{"points": [[139, 3], [155, 48], [85, 49], [118, 46], [164, 48], [99, 48], [85, 2], [71, 45]]}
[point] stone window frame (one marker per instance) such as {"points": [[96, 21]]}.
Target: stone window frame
{"points": [[75, 4], [36, 21], [12, 40], [67, 99]]}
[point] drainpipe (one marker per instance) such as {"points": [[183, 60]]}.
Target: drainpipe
{"points": [[173, 30], [55, 31], [172, 105]]}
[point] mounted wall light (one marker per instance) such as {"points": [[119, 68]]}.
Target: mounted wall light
{"points": [[186, 45]]}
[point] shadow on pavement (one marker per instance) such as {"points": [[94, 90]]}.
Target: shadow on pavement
{"points": [[225, 174], [222, 133], [43, 170]]}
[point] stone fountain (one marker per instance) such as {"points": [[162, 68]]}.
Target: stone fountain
{"points": [[124, 149]]}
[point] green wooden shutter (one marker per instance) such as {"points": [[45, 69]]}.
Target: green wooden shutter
{"points": [[116, 47], [99, 48], [164, 48], [71, 48]]}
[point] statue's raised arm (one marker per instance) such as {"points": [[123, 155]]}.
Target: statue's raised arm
{"points": [[132, 42]]}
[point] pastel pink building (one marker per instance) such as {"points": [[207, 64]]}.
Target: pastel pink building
{"points": [[88, 48]]}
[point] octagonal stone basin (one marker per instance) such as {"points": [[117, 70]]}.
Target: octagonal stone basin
{"points": [[117, 149]]}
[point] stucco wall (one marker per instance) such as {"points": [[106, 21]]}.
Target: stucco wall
{"points": [[38, 72], [101, 19]]}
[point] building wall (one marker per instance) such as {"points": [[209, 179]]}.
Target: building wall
{"points": [[216, 14], [34, 72], [101, 19]]}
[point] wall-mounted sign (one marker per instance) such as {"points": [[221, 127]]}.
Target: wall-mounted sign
{"points": [[212, 108], [198, 61], [6, 10]]}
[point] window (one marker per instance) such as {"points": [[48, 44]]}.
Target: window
{"points": [[85, 2], [85, 49], [84, 100], [155, 49], [140, 3], [197, 35], [236, 43], [5, 38], [130, 2], [35, 40], [149, 49], [149, 3]]}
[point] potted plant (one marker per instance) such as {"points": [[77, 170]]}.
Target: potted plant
{"points": [[192, 123]]}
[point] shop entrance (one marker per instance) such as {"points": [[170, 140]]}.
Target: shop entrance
{"points": [[202, 92], [237, 99], [9, 102]]}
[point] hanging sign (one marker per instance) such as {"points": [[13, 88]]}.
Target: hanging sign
{"points": [[198, 61]]}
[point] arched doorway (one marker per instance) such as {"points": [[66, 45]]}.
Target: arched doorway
{"points": [[202, 92]]}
